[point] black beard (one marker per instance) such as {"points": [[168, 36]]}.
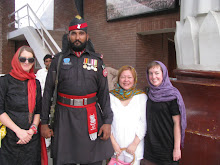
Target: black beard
{"points": [[78, 48]]}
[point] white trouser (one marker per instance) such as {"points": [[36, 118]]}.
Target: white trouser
{"points": [[47, 141]]}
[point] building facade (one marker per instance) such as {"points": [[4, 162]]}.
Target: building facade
{"points": [[136, 41]]}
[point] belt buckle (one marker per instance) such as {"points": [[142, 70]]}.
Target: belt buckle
{"points": [[71, 101], [85, 101], [78, 102]]}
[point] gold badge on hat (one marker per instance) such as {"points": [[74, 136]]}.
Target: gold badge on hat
{"points": [[78, 17]]}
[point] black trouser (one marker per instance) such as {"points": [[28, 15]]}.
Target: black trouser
{"points": [[95, 163], [147, 162]]}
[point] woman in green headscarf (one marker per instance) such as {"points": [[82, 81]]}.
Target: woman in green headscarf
{"points": [[129, 123]]}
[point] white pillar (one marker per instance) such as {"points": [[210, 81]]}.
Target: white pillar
{"points": [[197, 36]]}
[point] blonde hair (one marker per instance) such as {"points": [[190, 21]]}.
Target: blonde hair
{"points": [[127, 67], [26, 48]]}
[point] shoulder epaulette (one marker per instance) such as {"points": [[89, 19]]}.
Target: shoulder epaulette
{"points": [[56, 55], [100, 56]]}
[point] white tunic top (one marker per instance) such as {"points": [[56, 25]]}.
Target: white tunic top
{"points": [[41, 76], [129, 121]]}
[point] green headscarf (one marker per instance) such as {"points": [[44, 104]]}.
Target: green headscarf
{"points": [[123, 94]]}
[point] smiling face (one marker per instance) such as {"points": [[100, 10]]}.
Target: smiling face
{"points": [[26, 66], [126, 79], [155, 75]]}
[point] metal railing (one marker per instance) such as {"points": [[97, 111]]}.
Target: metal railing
{"points": [[32, 18]]}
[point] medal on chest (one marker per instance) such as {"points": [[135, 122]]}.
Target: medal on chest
{"points": [[85, 63], [90, 64]]}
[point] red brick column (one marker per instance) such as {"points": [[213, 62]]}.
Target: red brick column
{"points": [[7, 48], [200, 91]]}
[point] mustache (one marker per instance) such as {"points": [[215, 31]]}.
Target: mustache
{"points": [[77, 41]]}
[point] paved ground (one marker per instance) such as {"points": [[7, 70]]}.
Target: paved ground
{"points": [[50, 161]]}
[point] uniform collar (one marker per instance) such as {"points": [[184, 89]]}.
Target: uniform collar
{"points": [[70, 51], [78, 54]]}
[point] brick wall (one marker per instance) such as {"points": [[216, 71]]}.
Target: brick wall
{"points": [[119, 42], [149, 47], [63, 14], [7, 48], [1, 40]]}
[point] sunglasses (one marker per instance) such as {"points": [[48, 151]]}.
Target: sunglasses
{"points": [[23, 59]]}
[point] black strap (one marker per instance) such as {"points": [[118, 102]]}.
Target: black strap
{"points": [[56, 80], [52, 110]]}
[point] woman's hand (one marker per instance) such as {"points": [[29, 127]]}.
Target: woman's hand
{"points": [[24, 136], [177, 138], [176, 154], [117, 149], [131, 148], [115, 145], [30, 132]]}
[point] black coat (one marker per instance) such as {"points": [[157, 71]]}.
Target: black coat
{"points": [[14, 101], [71, 142]]}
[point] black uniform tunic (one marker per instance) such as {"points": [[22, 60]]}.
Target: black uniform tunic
{"points": [[71, 142], [159, 140], [14, 101]]}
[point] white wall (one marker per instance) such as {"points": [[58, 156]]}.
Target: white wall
{"points": [[197, 36]]}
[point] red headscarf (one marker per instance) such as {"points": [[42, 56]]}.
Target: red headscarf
{"points": [[18, 73]]}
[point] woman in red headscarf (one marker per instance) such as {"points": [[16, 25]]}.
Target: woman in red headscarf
{"points": [[20, 105]]}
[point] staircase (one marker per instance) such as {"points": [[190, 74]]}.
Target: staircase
{"points": [[37, 36], [33, 39]]}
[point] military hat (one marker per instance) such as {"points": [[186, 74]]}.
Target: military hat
{"points": [[78, 23]]}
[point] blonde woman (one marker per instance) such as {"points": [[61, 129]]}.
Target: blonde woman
{"points": [[20, 105], [129, 122]]}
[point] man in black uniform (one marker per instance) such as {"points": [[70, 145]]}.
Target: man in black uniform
{"points": [[83, 115]]}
